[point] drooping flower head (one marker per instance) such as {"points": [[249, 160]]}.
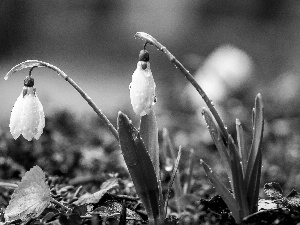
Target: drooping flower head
{"points": [[27, 116], [142, 87]]}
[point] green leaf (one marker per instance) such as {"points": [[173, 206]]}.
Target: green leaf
{"points": [[223, 191], [216, 136], [139, 165], [253, 171], [173, 178], [237, 179], [253, 187], [149, 134], [241, 144], [167, 145]]}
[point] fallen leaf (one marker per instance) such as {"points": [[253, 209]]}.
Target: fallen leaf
{"points": [[30, 198], [89, 198]]}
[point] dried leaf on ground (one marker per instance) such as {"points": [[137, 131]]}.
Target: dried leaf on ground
{"points": [[89, 198], [30, 198]]}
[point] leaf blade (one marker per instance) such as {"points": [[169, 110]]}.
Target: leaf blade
{"points": [[254, 162], [237, 179], [139, 165], [149, 134], [223, 191], [174, 178], [241, 145], [217, 139]]}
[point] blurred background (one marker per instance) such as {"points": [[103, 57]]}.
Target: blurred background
{"points": [[92, 41], [235, 49]]}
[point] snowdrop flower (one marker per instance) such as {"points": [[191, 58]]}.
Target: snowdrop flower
{"points": [[142, 87], [27, 116]]}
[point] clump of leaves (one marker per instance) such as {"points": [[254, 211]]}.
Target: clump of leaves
{"points": [[243, 167]]}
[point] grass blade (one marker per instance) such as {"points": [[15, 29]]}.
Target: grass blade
{"points": [[216, 136], [140, 166], [173, 177], [241, 144], [168, 145], [254, 161], [223, 191], [149, 134]]}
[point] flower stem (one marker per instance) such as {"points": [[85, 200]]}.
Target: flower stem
{"points": [[35, 63], [151, 40]]}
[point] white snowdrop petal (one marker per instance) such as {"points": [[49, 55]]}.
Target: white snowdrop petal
{"points": [[30, 116], [142, 90], [14, 124], [42, 119]]}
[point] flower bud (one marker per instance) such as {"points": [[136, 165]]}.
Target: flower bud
{"points": [[142, 87], [27, 116], [144, 56]]}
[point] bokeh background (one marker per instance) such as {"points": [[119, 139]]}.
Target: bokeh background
{"points": [[235, 48], [92, 41]]}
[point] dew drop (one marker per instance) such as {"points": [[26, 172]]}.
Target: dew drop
{"points": [[169, 165]]}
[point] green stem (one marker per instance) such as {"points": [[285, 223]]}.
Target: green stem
{"points": [[36, 63], [151, 40]]}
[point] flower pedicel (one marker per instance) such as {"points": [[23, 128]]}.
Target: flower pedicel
{"points": [[27, 116], [142, 87]]}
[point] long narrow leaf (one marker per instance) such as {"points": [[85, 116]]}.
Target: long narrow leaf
{"points": [[254, 163], [168, 145], [216, 136], [241, 145], [149, 134], [237, 179], [253, 188], [223, 191], [173, 177], [256, 142], [139, 165]]}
